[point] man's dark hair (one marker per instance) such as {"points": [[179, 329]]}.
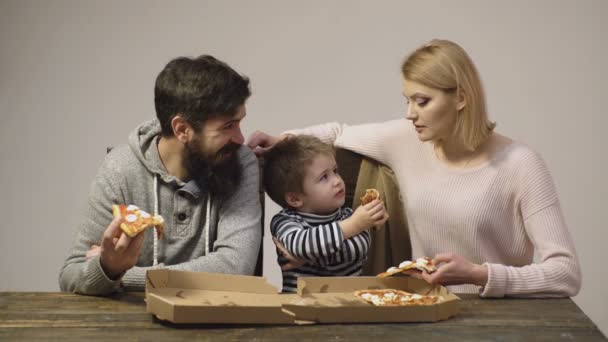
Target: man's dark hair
{"points": [[197, 89]]}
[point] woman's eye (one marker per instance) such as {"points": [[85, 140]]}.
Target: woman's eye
{"points": [[422, 101]]}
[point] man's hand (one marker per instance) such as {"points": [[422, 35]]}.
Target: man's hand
{"points": [[456, 270], [373, 214], [293, 261], [261, 142], [118, 252]]}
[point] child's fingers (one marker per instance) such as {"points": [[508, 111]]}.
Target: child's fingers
{"points": [[369, 206], [377, 212]]}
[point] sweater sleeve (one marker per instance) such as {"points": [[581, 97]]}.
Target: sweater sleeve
{"points": [[373, 140], [312, 243], [79, 274], [557, 272]]}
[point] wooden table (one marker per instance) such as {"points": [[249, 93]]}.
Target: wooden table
{"points": [[123, 317]]}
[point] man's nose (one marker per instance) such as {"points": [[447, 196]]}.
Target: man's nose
{"points": [[238, 138]]}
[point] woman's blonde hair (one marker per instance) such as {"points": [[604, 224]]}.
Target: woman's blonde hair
{"points": [[444, 65]]}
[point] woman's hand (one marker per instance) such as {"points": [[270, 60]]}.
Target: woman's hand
{"points": [[260, 142], [454, 269], [293, 261]]}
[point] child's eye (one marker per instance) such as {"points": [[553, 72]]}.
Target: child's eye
{"points": [[336, 171], [324, 177]]}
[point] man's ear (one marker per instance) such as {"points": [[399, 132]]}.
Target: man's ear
{"points": [[294, 199], [462, 100], [181, 129]]}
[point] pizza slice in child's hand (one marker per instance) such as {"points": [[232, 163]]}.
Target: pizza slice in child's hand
{"points": [[135, 220], [369, 195]]}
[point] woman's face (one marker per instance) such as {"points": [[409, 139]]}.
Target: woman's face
{"points": [[432, 111]]}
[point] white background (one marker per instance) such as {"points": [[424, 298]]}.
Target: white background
{"points": [[77, 76]]}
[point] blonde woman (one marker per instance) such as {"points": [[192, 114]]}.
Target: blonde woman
{"points": [[478, 202]]}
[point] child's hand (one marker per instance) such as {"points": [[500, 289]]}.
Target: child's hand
{"points": [[364, 217], [293, 261], [371, 215]]}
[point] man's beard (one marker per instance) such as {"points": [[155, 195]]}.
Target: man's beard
{"points": [[220, 173]]}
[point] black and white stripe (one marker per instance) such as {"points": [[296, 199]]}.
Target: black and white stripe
{"points": [[318, 239]]}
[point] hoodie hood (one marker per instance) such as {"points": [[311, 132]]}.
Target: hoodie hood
{"points": [[143, 141]]}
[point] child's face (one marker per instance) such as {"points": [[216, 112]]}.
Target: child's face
{"points": [[323, 187]]}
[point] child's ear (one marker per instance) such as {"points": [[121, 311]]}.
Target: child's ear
{"points": [[294, 199]]}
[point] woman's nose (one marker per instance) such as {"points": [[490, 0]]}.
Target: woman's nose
{"points": [[410, 113]]}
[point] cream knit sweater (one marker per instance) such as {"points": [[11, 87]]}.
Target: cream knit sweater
{"points": [[504, 213]]}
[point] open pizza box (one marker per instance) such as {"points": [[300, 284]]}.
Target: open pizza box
{"points": [[210, 298]]}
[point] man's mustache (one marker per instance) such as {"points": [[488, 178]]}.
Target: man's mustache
{"points": [[229, 148]]}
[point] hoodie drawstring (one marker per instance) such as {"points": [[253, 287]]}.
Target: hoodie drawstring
{"points": [[155, 213], [206, 228]]}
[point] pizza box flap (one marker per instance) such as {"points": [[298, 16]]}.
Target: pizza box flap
{"points": [[157, 279]]}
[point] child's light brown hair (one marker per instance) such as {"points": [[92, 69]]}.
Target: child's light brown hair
{"points": [[286, 163]]}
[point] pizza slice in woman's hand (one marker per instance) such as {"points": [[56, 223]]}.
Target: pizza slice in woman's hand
{"points": [[421, 264]]}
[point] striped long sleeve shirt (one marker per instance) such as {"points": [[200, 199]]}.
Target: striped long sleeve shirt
{"points": [[318, 239]]}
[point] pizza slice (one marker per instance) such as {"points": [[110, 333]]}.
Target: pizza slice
{"points": [[421, 264], [391, 297], [370, 195], [135, 220]]}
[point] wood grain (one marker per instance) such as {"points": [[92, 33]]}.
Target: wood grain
{"points": [[70, 317]]}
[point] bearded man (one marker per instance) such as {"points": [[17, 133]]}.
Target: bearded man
{"points": [[190, 166]]}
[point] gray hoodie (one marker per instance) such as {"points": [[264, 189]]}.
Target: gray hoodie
{"points": [[127, 176]]}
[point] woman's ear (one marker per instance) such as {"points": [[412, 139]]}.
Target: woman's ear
{"points": [[461, 100], [181, 129], [294, 199]]}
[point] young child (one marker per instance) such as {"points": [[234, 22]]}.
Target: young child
{"points": [[301, 175]]}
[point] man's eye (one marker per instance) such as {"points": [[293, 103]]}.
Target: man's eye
{"points": [[229, 126]]}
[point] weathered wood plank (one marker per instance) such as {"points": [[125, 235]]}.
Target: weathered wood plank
{"points": [[403, 332], [27, 316]]}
